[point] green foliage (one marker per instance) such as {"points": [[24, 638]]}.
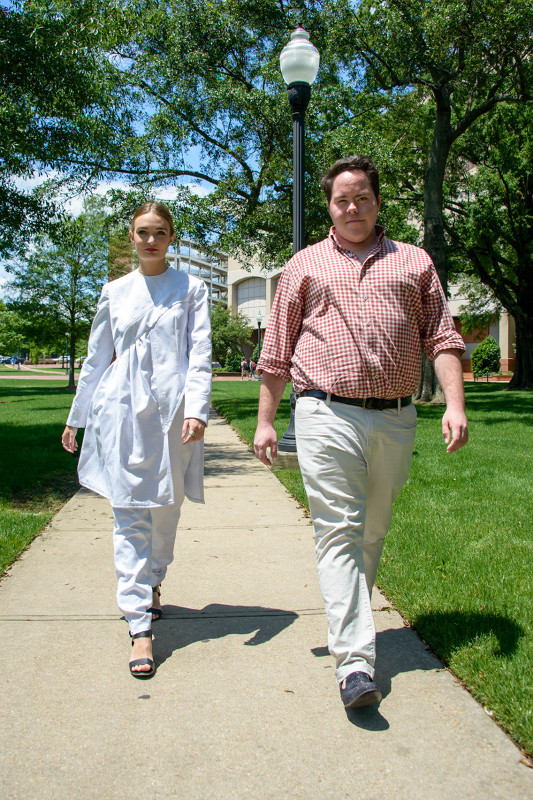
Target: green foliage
{"points": [[230, 332], [12, 337], [493, 222], [233, 361], [486, 357], [137, 94], [55, 285], [58, 109]]}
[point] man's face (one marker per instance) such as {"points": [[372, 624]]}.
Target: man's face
{"points": [[353, 209]]}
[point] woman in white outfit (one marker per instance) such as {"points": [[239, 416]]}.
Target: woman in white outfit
{"points": [[144, 415]]}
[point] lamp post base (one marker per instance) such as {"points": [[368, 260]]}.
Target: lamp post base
{"points": [[286, 460], [287, 444]]}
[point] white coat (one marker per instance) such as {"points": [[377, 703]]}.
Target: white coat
{"points": [[159, 328]]}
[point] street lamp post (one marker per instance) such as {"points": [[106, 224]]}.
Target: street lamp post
{"points": [[299, 62], [259, 320], [66, 357]]}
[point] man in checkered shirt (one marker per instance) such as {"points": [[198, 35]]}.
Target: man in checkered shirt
{"points": [[350, 316]]}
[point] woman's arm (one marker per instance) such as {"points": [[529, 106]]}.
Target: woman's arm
{"points": [[199, 373], [99, 356]]}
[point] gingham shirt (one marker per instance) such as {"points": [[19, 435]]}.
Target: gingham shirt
{"points": [[356, 330]]}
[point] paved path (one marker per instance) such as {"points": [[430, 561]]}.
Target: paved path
{"points": [[244, 704]]}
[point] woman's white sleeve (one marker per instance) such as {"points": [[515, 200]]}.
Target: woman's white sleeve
{"points": [[199, 373], [99, 356]]}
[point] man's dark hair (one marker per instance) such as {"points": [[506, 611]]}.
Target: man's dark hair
{"points": [[355, 163]]}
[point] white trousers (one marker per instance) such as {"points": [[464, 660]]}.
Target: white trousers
{"points": [[143, 541], [353, 463]]}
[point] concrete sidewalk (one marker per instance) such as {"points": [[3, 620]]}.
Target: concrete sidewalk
{"points": [[244, 703]]}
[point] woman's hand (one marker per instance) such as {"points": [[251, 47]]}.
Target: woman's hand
{"points": [[68, 439], [193, 430]]}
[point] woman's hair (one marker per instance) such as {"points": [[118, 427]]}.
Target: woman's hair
{"points": [[154, 208]]}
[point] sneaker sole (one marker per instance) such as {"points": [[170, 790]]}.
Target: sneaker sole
{"points": [[367, 699]]}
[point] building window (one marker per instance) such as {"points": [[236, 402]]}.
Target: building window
{"points": [[251, 297]]}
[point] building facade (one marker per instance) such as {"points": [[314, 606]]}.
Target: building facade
{"points": [[210, 266], [251, 293]]}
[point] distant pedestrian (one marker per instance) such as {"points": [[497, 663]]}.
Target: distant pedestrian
{"points": [[244, 368], [144, 415], [252, 366]]}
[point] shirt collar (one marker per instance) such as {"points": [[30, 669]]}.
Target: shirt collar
{"points": [[380, 233]]}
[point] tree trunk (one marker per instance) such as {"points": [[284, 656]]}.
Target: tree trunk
{"points": [[72, 352], [434, 240], [523, 374]]}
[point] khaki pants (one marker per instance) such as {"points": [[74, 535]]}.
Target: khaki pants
{"points": [[353, 463]]}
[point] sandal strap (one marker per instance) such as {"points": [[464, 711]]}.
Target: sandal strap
{"points": [[141, 662], [141, 635]]}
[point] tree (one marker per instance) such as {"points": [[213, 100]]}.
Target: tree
{"points": [[456, 61], [57, 107], [55, 285], [216, 115], [12, 338], [460, 59], [404, 80], [230, 332], [493, 222]]}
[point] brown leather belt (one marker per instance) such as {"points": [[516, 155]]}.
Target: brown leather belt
{"points": [[372, 403]]}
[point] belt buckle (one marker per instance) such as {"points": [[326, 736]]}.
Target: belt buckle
{"points": [[374, 403]]}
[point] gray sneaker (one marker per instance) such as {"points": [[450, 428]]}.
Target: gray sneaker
{"points": [[358, 690]]}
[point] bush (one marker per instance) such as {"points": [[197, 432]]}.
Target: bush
{"points": [[486, 357], [233, 361]]}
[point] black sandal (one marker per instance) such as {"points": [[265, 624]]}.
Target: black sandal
{"points": [[140, 662], [156, 613]]}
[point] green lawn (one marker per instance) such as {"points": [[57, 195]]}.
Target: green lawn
{"points": [[458, 559], [36, 475]]}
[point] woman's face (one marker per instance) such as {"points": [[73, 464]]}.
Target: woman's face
{"points": [[151, 236]]}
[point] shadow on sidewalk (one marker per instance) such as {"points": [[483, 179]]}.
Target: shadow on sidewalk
{"points": [[181, 626], [398, 650]]}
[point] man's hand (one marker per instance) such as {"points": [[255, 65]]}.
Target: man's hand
{"points": [[450, 376], [454, 429], [265, 437]]}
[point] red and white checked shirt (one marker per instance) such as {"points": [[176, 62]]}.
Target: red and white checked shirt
{"points": [[356, 330]]}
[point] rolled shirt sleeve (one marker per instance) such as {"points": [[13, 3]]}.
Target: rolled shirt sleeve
{"points": [[438, 332], [283, 328]]}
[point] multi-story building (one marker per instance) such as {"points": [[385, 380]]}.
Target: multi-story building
{"points": [[251, 292], [210, 266]]}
